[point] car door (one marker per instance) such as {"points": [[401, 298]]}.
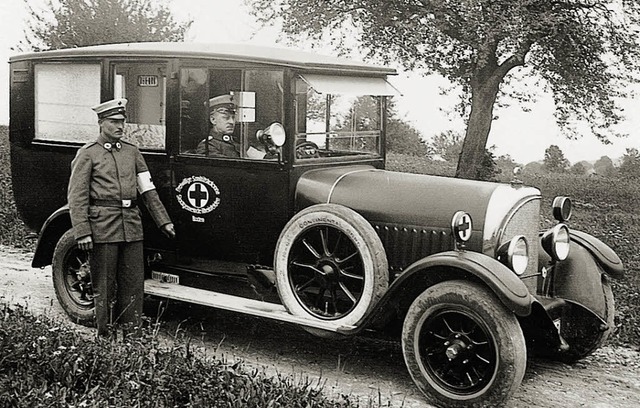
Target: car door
{"points": [[225, 207]]}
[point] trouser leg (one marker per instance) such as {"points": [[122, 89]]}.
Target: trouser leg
{"points": [[130, 286], [103, 263]]}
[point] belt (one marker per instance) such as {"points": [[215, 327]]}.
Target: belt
{"points": [[115, 203]]}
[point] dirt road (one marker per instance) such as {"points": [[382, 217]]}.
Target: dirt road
{"points": [[362, 368]]}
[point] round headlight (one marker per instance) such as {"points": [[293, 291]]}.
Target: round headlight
{"points": [[557, 242], [515, 254], [562, 208]]}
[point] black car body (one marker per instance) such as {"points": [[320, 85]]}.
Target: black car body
{"points": [[458, 266]]}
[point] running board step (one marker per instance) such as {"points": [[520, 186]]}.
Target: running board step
{"points": [[236, 304]]}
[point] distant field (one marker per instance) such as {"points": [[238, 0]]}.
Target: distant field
{"points": [[609, 209]]}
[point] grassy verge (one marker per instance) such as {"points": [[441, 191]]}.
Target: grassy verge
{"points": [[44, 363]]}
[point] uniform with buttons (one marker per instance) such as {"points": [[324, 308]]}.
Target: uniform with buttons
{"points": [[107, 176]]}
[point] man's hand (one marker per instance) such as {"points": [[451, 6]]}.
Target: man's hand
{"points": [[168, 230], [85, 243]]}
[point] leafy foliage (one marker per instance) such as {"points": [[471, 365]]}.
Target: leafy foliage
{"points": [[604, 167], [554, 160], [580, 50], [76, 23], [45, 363], [630, 166]]}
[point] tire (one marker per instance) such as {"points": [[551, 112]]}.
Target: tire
{"points": [[583, 333], [462, 347], [72, 280], [330, 265]]}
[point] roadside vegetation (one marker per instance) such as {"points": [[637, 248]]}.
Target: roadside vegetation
{"points": [[44, 363]]}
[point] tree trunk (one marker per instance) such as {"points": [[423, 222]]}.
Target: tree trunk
{"points": [[483, 96]]}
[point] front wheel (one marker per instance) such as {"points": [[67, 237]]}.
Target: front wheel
{"points": [[462, 347], [72, 280], [330, 265]]}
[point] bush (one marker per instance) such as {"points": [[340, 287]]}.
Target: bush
{"points": [[44, 363]]}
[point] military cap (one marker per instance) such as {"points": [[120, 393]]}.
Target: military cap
{"points": [[113, 109], [222, 104]]}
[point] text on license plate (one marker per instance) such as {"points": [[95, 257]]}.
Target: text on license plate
{"points": [[165, 277]]}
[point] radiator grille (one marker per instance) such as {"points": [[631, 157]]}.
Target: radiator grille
{"points": [[525, 221]]}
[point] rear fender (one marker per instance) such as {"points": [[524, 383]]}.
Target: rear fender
{"points": [[579, 279], [57, 224]]}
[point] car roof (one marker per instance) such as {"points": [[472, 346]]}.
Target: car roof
{"points": [[285, 57]]}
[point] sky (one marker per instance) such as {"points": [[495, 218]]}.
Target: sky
{"points": [[522, 135]]}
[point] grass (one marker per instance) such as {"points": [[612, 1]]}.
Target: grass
{"points": [[44, 363]]}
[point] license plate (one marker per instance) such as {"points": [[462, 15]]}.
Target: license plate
{"points": [[165, 277]]}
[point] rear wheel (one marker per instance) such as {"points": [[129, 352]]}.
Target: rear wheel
{"points": [[330, 265], [462, 347], [72, 280]]}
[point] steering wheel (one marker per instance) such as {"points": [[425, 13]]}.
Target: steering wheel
{"points": [[306, 150]]}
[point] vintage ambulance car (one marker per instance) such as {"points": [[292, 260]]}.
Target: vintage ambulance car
{"points": [[457, 270]]}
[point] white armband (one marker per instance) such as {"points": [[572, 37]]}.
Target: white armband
{"points": [[144, 182]]}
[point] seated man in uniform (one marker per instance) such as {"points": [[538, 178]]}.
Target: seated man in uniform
{"points": [[220, 142]]}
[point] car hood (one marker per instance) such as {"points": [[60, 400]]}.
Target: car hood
{"points": [[387, 197]]}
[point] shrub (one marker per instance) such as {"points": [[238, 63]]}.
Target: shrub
{"points": [[44, 363]]}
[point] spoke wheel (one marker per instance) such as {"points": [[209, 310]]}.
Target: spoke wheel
{"points": [[458, 350], [462, 346], [326, 272], [72, 280], [330, 265]]}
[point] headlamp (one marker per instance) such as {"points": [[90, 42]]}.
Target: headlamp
{"points": [[515, 254], [557, 242]]}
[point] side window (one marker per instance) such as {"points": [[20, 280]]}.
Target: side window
{"points": [[64, 95], [144, 86], [221, 111]]}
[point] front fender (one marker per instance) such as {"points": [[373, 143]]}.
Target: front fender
{"points": [[57, 224], [606, 257], [579, 279], [452, 265], [511, 291]]}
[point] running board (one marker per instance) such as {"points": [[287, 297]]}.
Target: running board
{"points": [[236, 304]]}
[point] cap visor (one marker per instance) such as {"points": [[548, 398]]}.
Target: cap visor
{"points": [[118, 116]]}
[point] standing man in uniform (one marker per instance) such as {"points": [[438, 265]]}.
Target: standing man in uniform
{"points": [[105, 176]]}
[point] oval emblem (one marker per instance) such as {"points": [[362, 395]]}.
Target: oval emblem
{"points": [[198, 194]]}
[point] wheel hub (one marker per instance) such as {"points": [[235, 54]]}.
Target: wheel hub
{"points": [[456, 348]]}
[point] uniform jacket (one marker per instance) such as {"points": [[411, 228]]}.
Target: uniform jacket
{"points": [[102, 173], [218, 146]]}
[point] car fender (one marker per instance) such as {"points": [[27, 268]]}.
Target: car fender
{"points": [[511, 291], [604, 255], [450, 265], [57, 224], [579, 279]]}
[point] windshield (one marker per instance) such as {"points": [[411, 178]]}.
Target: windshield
{"points": [[331, 123]]}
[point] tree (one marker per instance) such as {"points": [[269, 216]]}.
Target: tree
{"points": [[580, 50], [76, 23], [403, 137], [447, 145], [554, 160], [578, 169], [630, 166], [604, 167]]}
